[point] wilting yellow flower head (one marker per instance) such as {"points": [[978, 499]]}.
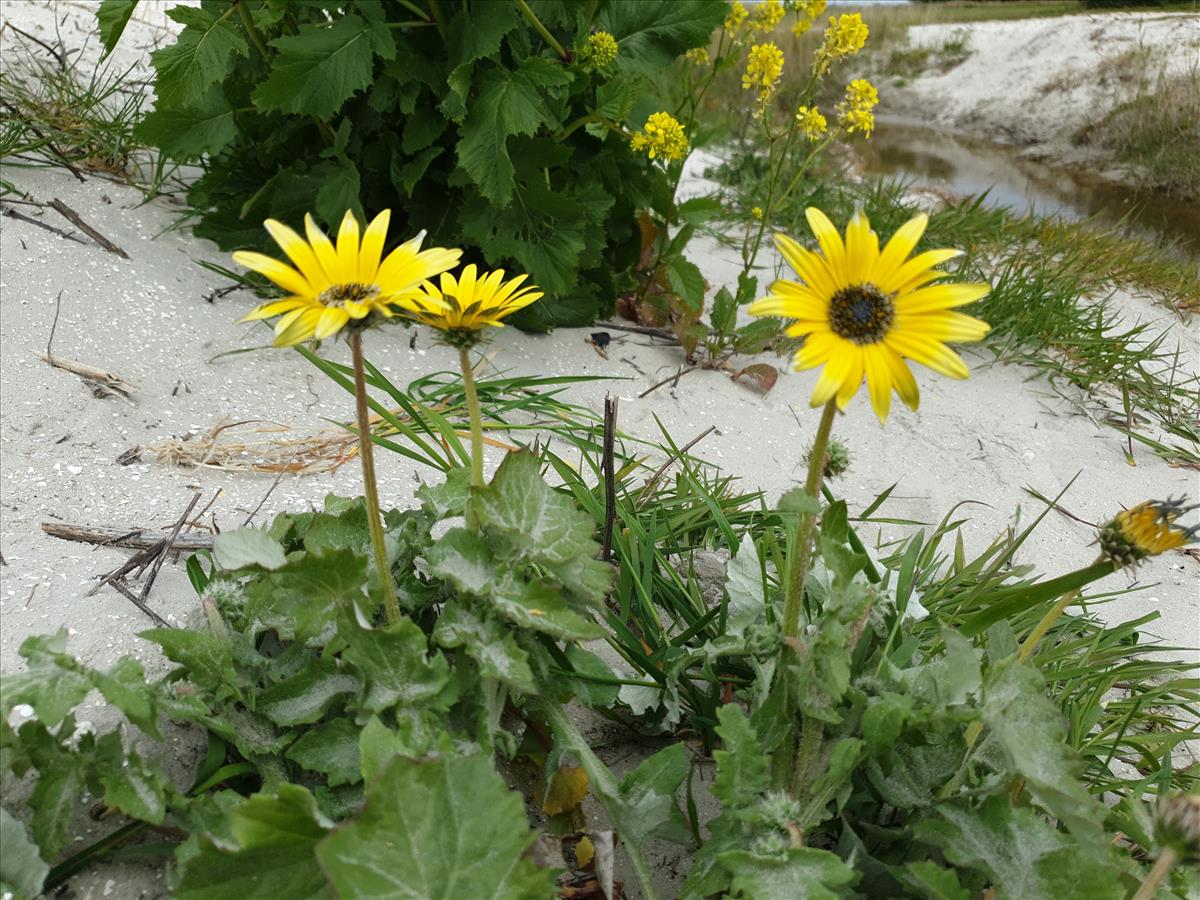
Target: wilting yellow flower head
{"points": [[1147, 529], [661, 136], [855, 112], [460, 307], [764, 65], [757, 212], [332, 287], [698, 56], [861, 311], [811, 122], [844, 36], [766, 16], [736, 16], [600, 50], [807, 12]]}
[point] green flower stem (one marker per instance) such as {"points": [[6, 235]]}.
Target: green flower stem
{"points": [[1161, 867], [786, 758], [366, 454], [604, 788], [1052, 615], [412, 7], [531, 16], [255, 37], [468, 374]]}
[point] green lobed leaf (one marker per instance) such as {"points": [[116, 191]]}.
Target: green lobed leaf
{"points": [[340, 188], [130, 784], [112, 16], [272, 856], [463, 624], [331, 749], [248, 548], [206, 126], [651, 35], [395, 665], [207, 657], [22, 869], [53, 683], [320, 68], [306, 696], [933, 882], [741, 763], [125, 687], [649, 795], [445, 827], [508, 102], [595, 694], [883, 720], [803, 872], [200, 57], [302, 599], [62, 778]]}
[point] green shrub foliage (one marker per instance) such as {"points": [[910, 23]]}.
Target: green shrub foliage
{"points": [[470, 125]]}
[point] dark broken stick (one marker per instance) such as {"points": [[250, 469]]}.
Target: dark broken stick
{"points": [[166, 549], [126, 538], [73, 217], [90, 373], [120, 585], [69, 235]]}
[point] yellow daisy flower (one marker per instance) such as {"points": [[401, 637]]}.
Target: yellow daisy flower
{"points": [[862, 311], [461, 307], [1147, 529], [333, 286]]}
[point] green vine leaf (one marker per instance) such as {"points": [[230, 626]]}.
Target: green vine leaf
{"points": [[651, 35], [112, 16], [443, 827], [199, 58], [321, 67]]}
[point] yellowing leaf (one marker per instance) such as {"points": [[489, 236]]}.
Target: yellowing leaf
{"points": [[568, 787], [585, 852]]}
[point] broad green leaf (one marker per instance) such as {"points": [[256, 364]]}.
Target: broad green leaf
{"points": [[803, 872], [463, 559], [319, 68], [130, 785], [205, 126], [52, 682], [546, 526], [207, 658], [1018, 850], [441, 828], [331, 749], [112, 16], [745, 589], [911, 776], [651, 35], [591, 693], [247, 548], [306, 696], [741, 764], [508, 102], [302, 599], [22, 870], [345, 529], [687, 282], [273, 854], [199, 58], [61, 780], [340, 189], [488, 642], [933, 882], [1030, 729], [541, 607], [395, 665], [951, 679], [449, 497], [883, 720], [649, 795], [477, 34], [377, 743], [125, 687]]}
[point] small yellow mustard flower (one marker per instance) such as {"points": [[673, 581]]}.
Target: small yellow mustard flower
{"points": [[735, 18], [697, 56], [661, 136], [757, 212], [807, 12], [855, 112], [1145, 530], [845, 35], [811, 122], [764, 65], [766, 16], [599, 51]]}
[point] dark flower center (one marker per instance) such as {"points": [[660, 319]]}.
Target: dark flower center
{"points": [[861, 313], [341, 294]]}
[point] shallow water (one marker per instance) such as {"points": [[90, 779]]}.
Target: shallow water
{"points": [[909, 149]]}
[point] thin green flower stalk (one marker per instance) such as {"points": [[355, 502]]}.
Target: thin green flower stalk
{"points": [[346, 288]]}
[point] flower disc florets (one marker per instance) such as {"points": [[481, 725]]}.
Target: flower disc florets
{"points": [[861, 313], [1145, 530], [600, 51]]}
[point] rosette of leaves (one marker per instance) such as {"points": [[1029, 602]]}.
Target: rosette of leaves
{"points": [[467, 122]]}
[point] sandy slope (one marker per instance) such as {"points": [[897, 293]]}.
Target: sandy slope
{"points": [[1034, 81]]}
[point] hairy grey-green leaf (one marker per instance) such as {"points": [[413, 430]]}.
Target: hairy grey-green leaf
{"points": [[248, 548], [22, 869], [463, 624], [395, 665], [741, 763], [438, 828], [130, 784], [53, 682], [331, 749], [803, 872], [307, 696]]}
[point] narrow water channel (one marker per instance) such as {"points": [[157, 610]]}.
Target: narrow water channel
{"points": [[911, 150]]}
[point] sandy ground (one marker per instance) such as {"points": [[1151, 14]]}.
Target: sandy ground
{"points": [[1034, 82], [147, 319]]}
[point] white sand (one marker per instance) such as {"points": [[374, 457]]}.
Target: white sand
{"points": [[1034, 81], [146, 319]]}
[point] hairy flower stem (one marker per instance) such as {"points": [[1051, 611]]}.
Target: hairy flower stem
{"points": [[367, 455], [604, 788], [468, 374], [787, 756], [533, 20], [1166, 860]]}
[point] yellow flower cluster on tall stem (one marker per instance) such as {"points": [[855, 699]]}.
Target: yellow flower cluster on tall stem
{"points": [[807, 12], [661, 136], [766, 15], [764, 65], [845, 35], [346, 288], [856, 112]]}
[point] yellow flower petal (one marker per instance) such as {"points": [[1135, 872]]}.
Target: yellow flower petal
{"points": [[834, 373], [301, 255], [832, 247], [929, 352], [372, 247], [332, 320], [944, 326], [323, 249], [862, 248], [284, 276], [267, 310], [902, 243], [818, 348], [902, 378], [916, 268], [938, 297], [347, 248], [301, 329], [853, 378], [807, 265]]}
